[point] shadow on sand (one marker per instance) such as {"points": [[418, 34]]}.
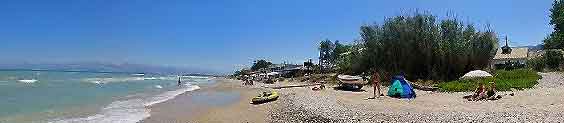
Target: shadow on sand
{"points": [[348, 88]]}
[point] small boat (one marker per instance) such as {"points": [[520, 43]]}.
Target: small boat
{"points": [[265, 97], [348, 79]]}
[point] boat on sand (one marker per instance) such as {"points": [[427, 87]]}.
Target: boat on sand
{"points": [[351, 81], [265, 97]]}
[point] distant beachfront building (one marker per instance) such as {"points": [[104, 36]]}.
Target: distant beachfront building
{"points": [[510, 56]]}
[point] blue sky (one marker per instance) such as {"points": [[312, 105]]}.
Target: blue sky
{"points": [[223, 35]]}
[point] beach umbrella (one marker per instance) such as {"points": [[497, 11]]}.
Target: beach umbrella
{"points": [[476, 74]]}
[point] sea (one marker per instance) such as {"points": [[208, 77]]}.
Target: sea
{"points": [[97, 97]]}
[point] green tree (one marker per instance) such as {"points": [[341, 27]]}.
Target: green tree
{"points": [[339, 50], [326, 48], [556, 39], [260, 64], [553, 58], [423, 47]]}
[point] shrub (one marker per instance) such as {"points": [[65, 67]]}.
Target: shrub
{"points": [[423, 47], [504, 81], [536, 63], [553, 59]]}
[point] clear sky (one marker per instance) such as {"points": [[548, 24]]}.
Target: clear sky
{"points": [[224, 35]]}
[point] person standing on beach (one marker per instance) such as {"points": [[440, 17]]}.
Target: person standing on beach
{"points": [[376, 83]]}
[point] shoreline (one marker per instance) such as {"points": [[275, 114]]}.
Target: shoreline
{"points": [[224, 101], [543, 103]]}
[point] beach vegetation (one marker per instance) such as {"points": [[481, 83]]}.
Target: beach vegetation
{"points": [[553, 59], [556, 39], [505, 80], [421, 46], [536, 63], [258, 64]]}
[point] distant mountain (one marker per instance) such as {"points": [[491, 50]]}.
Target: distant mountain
{"points": [[108, 67], [534, 48]]}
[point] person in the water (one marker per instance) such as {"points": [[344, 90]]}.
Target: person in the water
{"points": [[179, 82]]}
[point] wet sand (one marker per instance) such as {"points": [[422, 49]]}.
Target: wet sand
{"points": [[225, 101]]}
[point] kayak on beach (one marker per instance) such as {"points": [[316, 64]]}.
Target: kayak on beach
{"points": [[265, 97]]}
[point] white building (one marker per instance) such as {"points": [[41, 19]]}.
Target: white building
{"points": [[518, 55]]}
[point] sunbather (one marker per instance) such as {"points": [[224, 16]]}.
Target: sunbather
{"points": [[492, 92], [479, 94]]}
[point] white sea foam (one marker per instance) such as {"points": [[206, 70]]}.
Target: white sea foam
{"points": [[158, 86], [196, 77], [128, 111], [107, 80], [28, 80], [171, 94], [98, 82], [125, 79]]}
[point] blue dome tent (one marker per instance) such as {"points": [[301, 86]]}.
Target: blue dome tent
{"points": [[400, 88]]}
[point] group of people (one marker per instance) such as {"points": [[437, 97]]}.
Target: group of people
{"points": [[483, 93], [247, 80]]}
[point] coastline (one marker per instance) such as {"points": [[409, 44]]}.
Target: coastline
{"points": [[301, 104], [224, 101]]}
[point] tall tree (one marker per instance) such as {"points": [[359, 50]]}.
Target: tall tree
{"points": [[553, 59], [556, 39], [338, 51], [326, 48], [260, 64]]}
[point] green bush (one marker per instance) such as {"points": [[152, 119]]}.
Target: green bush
{"points": [[504, 81], [553, 59], [536, 63], [424, 47]]}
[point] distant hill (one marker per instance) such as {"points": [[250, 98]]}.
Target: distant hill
{"points": [[534, 48], [108, 67]]}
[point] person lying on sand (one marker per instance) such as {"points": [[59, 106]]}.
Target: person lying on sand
{"points": [[492, 92], [482, 94], [321, 87], [479, 93]]}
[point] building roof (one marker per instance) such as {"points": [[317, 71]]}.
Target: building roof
{"points": [[516, 53]]}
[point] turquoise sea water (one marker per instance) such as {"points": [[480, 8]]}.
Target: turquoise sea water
{"points": [[43, 96]]}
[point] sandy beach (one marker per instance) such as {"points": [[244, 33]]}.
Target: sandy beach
{"points": [[544, 103], [225, 101]]}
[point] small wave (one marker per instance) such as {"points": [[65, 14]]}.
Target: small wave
{"points": [[28, 80], [98, 82], [138, 74], [128, 111], [171, 94], [125, 79], [196, 77], [107, 80], [158, 86]]}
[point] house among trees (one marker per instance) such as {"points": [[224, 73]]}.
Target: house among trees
{"points": [[510, 57]]}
